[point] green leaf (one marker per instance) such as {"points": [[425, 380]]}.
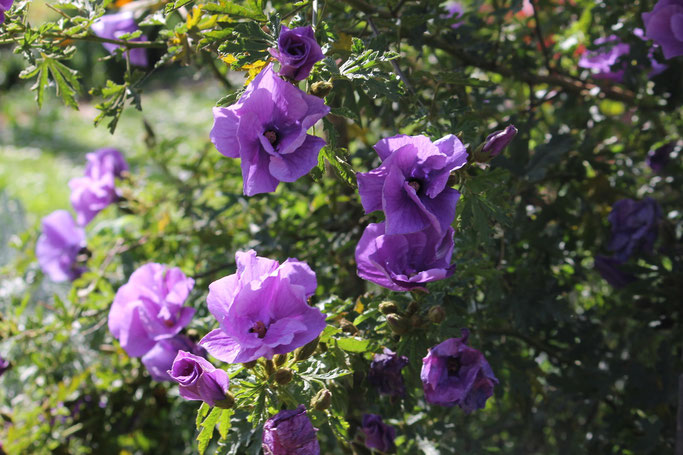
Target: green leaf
{"points": [[201, 413], [251, 9], [208, 427], [224, 423], [352, 344], [343, 169]]}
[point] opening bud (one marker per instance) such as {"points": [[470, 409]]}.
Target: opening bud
{"points": [[306, 351]]}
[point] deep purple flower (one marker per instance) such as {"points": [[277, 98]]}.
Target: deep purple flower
{"points": [[5, 5], [403, 262], [385, 373], [267, 130], [199, 379], [297, 51], [602, 60], [454, 373], [658, 158], [664, 25], [4, 365], [497, 141], [634, 227], [378, 435], [411, 183], [112, 26], [609, 269], [290, 432], [656, 67], [150, 308], [262, 309], [59, 245], [159, 359]]}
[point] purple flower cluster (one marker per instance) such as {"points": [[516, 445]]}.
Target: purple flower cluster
{"points": [[664, 25], [60, 243], [290, 432], [113, 26], [5, 5]]}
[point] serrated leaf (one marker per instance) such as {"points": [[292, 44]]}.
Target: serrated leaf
{"points": [[224, 423], [208, 427], [250, 11], [201, 413]]}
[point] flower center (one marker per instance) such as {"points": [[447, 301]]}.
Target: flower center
{"points": [[259, 328], [453, 366], [415, 184], [271, 136]]}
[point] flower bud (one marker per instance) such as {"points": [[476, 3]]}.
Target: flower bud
{"points": [[436, 314], [398, 324], [284, 376], [306, 351], [270, 367], [413, 306], [494, 144], [250, 365], [280, 359], [348, 327], [321, 89], [321, 400], [387, 307], [227, 403]]}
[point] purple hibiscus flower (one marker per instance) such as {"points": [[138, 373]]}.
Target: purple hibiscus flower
{"points": [[411, 183], [403, 262], [664, 25], [497, 141], [59, 245], [159, 359], [454, 373], [634, 227], [267, 130], [262, 309], [378, 435], [658, 158], [290, 432], [105, 163], [609, 269], [602, 60], [150, 308], [5, 5], [297, 51], [385, 373], [112, 26], [199, 379], [4, 365]]}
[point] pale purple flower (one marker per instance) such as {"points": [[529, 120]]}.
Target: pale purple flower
{"points": [[262, 309], [385, 373], [4, 365], [609, 269], [634, 227], [267, 130], [454, 10], [497, 141], [5, 5], [411, 183], [664, 25], [159, 359], [658, 158], [199, 379], [403, 262], [105, 163], [149, 308], [297, 51], [112, 26], [290, 432], [456, 374], [59, 245], [602, 61], [378, 435]]}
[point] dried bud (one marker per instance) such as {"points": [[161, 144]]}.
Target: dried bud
{"points": [[280, 359], [398, 324], [284, 376], [436, 314], [306, 351], [321, 89], [270, 367], [387, 307], [347, 326], [249, 365], [321, 400], [227, 403]]}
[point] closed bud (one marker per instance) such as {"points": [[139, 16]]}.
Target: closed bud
{"points": [[321, 89], [226, 403], [270, 367], [280, 359], [306, 351], [321, 400], [283, 376], [413, 307], [416, 320], [322, 347], [436, 314], [347, 326], [249, 365], [388, 307], [398, 324]]}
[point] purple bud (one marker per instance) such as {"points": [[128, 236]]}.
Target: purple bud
{"points": [[290, 432], [59, 245], [297, 51], [496, 142], [378, 435], [199, 379], [385, 373]]}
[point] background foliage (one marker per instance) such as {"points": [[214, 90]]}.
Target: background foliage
{"points": [[583, 367]]}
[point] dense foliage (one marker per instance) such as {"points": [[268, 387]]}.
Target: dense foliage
{"points": [[571, 293]]}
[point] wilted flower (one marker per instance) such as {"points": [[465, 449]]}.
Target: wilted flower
{"points": [[385, 373], [149, 308], [297, 51], [411, 184], [112, 26], [159, 359], [497, 141], [5, 5], [4, 365], [290, 432], [664, 25], [378, 435], [634, 227], [262, 309], [454, 373], [403, 262], [59, 245], [658, 158], [199, 379], [609, 269], [267, 128]]}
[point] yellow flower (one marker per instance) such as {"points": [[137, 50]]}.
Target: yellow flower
{"points": [[254, 69]]}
